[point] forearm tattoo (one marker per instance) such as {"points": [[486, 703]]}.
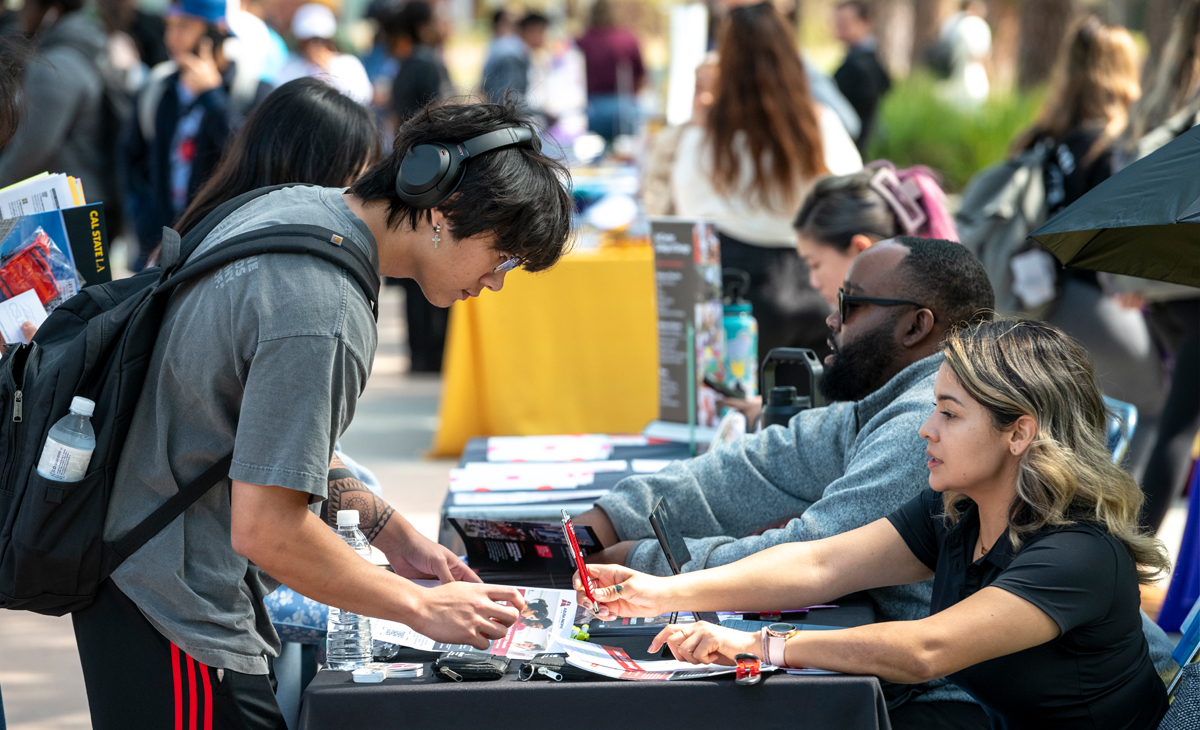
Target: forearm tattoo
{"points": [[347, 492]]}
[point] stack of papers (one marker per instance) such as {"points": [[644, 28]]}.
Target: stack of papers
{"points": [[612, 662], [481, 498], [41, 193], [487, 476], [587, 447]]}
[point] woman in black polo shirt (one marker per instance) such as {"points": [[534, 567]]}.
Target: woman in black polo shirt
{"points": [[1029, 532]]}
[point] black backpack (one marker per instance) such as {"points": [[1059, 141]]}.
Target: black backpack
{"points": [[98, 345]]}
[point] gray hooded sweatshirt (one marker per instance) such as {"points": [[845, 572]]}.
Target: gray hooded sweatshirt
{"points": [[64, 93], [832, 470]]}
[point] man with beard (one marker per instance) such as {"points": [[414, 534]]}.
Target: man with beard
{"points": [[836, 468]]}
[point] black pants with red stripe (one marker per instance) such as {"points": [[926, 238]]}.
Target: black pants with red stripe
{"points": [[136, 678]]}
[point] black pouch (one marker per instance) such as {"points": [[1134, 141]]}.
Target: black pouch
{"points": [[554, 667], [470, 666]]}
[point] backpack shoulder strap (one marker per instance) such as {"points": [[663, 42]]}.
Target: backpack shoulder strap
{"points": [[164, 515], [196, 236], [314, 240]]}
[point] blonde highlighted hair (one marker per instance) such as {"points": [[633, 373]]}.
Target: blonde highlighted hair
{"points": [[1017, 368]]}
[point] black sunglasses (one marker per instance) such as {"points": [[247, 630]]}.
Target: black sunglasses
{"points": [[845, 300]]}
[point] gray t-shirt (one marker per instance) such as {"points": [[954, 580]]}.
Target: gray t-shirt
{"points": [[265, 357]]}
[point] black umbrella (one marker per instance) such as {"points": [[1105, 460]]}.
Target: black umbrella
{"points": [[1144, 221]]}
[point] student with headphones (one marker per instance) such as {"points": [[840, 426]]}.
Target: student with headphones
{"points": [[266, 358]]}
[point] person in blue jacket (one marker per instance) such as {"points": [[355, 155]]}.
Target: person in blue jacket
{"points": [[183, 119]]}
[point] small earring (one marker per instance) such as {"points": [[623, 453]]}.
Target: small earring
{"points": [[437, 235]]}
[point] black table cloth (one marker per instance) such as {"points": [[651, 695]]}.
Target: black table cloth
{"points": [[833, 702]]}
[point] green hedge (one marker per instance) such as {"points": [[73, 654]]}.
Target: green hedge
{"points": [[916, 126]]}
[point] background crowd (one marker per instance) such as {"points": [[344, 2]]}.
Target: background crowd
{"points": [[143, 105], [817, 129]]}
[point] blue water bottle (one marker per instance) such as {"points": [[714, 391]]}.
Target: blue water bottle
{"points": [[741, 334]]}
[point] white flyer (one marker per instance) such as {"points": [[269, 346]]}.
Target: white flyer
{"points": [[486, 476], [547, 618], [36, 195], [478, 499], [586, 447], [611, 661], [16, 311]]}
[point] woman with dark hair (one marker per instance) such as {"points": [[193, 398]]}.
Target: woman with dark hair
{"points": [[748, 167], [845, 215], [1028, 530], [12, 66], [305, 131]]}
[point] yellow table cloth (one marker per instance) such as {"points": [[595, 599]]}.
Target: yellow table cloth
{"points": [[570, 350]]}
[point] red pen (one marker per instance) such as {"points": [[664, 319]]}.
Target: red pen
{"points": [[577, 555]]}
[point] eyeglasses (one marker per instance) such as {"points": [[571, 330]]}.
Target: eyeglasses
{"points": [[845, 301], [507, 266]]}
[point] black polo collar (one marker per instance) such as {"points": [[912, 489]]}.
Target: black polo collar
{"points": [[965, 533]]}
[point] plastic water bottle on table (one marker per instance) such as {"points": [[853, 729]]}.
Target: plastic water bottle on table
{"points": [[349, 642]]}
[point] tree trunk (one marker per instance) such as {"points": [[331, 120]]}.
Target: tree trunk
{"points": [[927, 22], [1044, 27], [894, 31], [1006, 34], [1160, 14]]}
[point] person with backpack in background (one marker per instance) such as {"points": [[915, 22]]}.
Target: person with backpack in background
{"points": [[1064, 154], [252, 368], [964, 44], [1170, 107], [182, 119], [415, 37], [1095, 82], [70, 119]]}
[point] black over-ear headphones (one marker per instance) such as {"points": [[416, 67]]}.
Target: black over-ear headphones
{"points": [[430, 173]]}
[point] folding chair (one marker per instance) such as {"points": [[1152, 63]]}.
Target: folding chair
{"points": [[1184, 689], [1122, 422]]}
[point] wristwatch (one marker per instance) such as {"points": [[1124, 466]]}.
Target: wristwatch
{"points": [[774, 636]]}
